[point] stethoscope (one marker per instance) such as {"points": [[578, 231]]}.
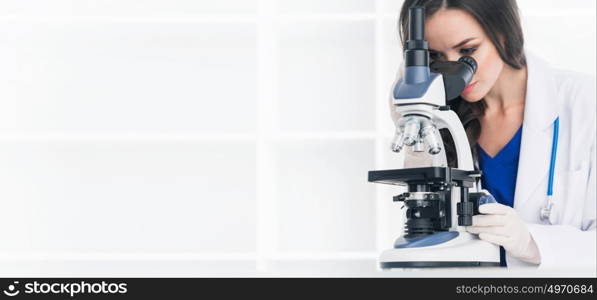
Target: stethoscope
{"points": [[546, 210]]}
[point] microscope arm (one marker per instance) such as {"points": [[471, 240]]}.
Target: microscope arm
{"points": [[449, 120]]}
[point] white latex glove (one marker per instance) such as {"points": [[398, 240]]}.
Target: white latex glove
{"points": [[501, 225]]}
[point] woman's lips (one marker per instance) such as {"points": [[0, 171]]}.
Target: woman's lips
{"points": [[469, 88]]}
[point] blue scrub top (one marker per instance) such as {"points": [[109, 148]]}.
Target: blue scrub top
{"points": [[499, 174]]}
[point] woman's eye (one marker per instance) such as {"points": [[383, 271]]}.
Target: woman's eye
{"points": [[434, 55], [467, 51]]}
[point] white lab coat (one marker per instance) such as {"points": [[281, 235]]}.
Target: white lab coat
{"points": [[569, 241]]}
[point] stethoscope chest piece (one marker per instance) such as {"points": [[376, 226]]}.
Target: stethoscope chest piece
{"points": [[545, 212]]}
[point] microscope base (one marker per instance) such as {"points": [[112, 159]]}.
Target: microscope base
{"points": [[466, 250]]}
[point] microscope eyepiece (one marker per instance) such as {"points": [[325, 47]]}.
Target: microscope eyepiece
{"points": [[416, 26], [467, 60], [457, 74], [416, 48]]}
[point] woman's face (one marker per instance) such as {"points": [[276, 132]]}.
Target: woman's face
{"points": [[453, 33]]}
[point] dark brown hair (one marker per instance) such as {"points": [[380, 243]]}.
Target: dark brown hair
{"points": [[501, 22]]}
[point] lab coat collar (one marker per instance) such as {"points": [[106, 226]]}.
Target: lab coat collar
{"points": [[541, 102], [541, 109]]}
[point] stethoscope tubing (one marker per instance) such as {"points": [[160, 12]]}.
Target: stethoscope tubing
{"points": [[546, 211], [554, 150]]}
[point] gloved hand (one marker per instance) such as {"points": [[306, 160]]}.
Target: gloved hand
{"points": [[501, 225]]}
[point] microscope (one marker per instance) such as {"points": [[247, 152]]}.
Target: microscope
{"points": [[440, 200]]}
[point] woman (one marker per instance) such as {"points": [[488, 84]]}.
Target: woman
{"points": [[509, 112]]}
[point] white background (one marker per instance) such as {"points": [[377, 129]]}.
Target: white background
{"points": [[210, 138]]}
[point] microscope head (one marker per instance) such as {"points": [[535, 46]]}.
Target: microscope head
{"points": [[425, 90]]}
